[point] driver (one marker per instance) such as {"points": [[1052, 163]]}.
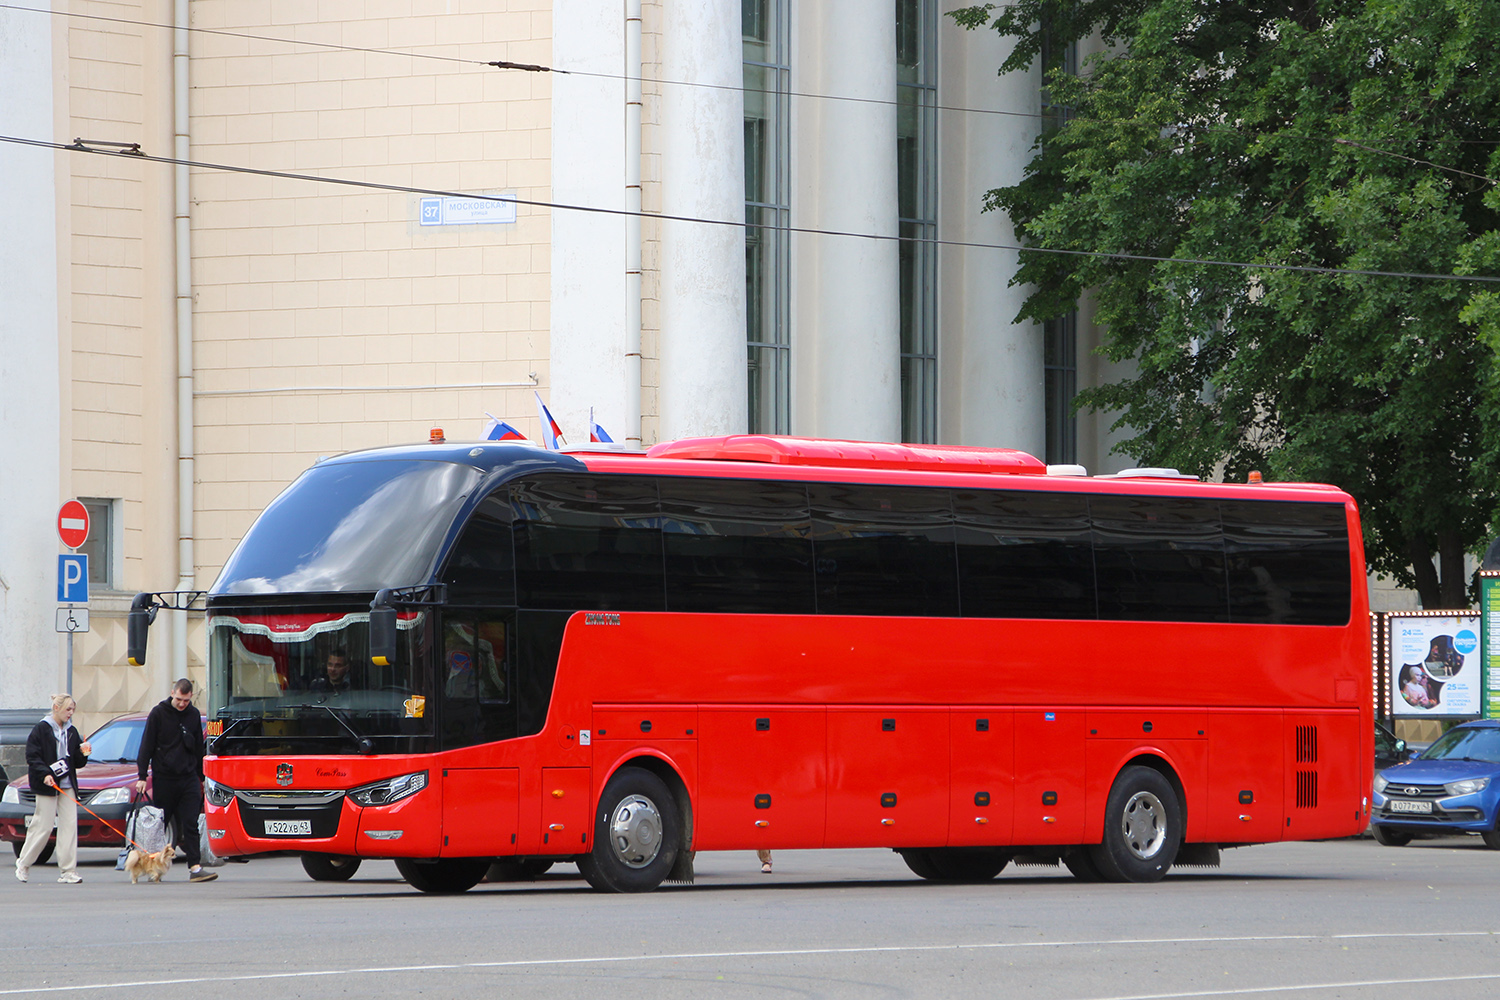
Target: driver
{"points": [[335, 679]]}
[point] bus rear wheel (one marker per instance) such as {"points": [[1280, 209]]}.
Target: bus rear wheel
{"points": [[1142, 828], [446, 875], [948, 864], [329, 867], [637, 834]]}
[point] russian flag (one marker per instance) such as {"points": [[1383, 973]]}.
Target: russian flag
{"points": [[552, 435], [596, 433], [499, 430]]}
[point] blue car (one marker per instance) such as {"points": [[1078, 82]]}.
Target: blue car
{"points": [[1454, 786]]}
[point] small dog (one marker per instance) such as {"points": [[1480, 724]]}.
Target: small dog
{"points": [[153, 865]]}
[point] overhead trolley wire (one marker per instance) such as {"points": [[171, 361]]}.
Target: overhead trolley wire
{"points": [[133, 151]]}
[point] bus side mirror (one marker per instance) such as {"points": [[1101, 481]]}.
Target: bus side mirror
{"points": [[137, 626], [382, 632]]}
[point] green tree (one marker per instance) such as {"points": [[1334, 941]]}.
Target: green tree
{"points": [[1357, 136]]}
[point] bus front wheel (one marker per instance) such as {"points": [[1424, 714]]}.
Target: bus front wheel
{"points": [[637, 834], [1142, 828], [329, 867], [446, 875]]}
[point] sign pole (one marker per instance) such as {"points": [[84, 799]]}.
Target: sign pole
{"points": [[68, 687]]}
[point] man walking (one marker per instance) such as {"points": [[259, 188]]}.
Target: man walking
{"points": [[173, 748]]}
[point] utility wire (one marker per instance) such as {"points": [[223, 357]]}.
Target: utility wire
{"points": [[133, 151], [804, 95]]}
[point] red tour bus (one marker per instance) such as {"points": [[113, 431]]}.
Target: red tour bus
{"points": [[459, 654]]}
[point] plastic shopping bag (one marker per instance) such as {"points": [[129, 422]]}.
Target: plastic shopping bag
{"points": [[206, 856], [151, 833]]}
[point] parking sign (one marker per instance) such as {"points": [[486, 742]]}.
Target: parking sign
{"points": [[73, 578]]}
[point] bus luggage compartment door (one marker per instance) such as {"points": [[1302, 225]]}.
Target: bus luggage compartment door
{"points": [[566, 809], [1246, 771], [481, 811], [888, 777], [762, 778], [984, 776]]}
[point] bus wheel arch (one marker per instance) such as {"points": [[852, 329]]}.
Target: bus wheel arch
{"points": [[639, 829], [1144, 821]]}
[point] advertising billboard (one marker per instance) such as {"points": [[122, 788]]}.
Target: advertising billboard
{"points": [[1434, 665]]}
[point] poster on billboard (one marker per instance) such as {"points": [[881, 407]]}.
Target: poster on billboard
{"points": [[1434, 665], [1489, 639]]}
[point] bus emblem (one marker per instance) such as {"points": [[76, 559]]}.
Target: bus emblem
{"points": [[598, 619], [283, 774]]}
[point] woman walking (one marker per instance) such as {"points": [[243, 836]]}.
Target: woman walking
{"points": [[54, 753]]}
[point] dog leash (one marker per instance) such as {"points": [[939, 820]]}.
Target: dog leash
{"points": [[101, 819]]}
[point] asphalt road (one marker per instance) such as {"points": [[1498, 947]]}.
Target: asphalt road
{"points": [[1319, 920]]}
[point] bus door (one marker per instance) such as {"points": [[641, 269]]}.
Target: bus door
{"points": [[888, 777], [984, 776], [762, 777]]}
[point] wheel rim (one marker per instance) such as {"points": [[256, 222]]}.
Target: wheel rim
{"points": [[635, 831], [1144, 825]]}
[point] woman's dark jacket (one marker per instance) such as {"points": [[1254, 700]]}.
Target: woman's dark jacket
{"points": [[41, 751]]}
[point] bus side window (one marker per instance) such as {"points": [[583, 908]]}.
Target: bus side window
{"points": [[737, 545], [1024, 555], [588, 543], [1159, 559], [884, 550], [481, 567], [1288, 562]]}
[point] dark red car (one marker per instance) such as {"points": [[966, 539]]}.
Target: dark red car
{"points": [[104, 786]]}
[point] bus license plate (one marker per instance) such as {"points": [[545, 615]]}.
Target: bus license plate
{"points": [[294, 827], [1405, 806]]}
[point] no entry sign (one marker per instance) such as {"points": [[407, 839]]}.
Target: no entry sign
{"points": [[73, 524]]}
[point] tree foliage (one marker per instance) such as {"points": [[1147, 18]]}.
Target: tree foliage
{"points": [[1356, 136]]}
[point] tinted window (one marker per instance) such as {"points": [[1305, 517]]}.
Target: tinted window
{"points": [[539, 636], [1024, 555], [587, 542], [474, 679], [1288, 562], [350, 526], [1159, 559], [481, 568], [882, 550], [737, 545]]}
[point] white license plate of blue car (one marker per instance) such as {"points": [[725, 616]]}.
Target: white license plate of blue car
{"points": [[1405, 806]]}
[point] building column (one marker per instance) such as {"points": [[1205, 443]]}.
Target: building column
{"points": [[846, 339], [34, 442], [588, 344], [703, 354], [990, 365]]}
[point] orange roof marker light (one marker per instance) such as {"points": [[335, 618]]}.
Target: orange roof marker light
{"points": [[436, 436], [852, 454], [1254, 478]]}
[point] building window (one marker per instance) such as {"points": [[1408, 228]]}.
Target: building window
{"points": [[1060, 335], [916, 185], [1059, 386], [103, 541], [767, 214]]}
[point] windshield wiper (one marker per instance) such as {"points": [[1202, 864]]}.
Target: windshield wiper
{"points": [[363, 742]]}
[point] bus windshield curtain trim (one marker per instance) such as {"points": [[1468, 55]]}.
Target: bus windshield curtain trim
{"points": [[409, 620]]}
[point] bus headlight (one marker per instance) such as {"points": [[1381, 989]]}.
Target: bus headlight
{"points": [[1466, 787], [217, 795], [383, 793]]}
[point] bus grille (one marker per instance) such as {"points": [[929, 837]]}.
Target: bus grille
{"points": [[1307, 744], [1307, 789]]}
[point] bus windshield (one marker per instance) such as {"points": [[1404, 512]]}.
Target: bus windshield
{"points": [[331, 530], [301, 680]]}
